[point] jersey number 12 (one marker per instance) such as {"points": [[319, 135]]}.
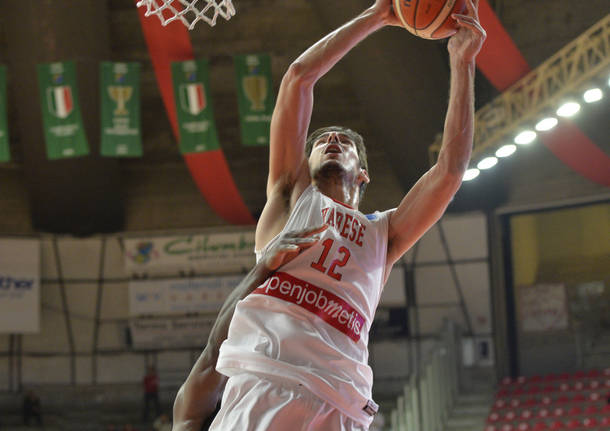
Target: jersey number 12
{"points": [[339, 262]]}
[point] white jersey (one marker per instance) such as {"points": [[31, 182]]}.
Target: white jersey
{"points": [[309, 322]]}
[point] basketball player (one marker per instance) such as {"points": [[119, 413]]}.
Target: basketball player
{"points": [[296, 354], [198, 396]]}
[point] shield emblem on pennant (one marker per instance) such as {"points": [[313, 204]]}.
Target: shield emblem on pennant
{"points": [[60, 100], [192, 98]]}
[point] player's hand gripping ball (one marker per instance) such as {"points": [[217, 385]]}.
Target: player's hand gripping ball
{"points": [[429, 19]]}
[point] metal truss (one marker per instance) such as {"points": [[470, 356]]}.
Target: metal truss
{"points": [[579, 62]]}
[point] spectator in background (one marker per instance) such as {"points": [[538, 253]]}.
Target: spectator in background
{"points": [[129, 427], [162, 423], [32, 408], [151, 392]]}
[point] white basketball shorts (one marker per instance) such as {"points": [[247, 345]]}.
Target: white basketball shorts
{"points": [[261, 403]]}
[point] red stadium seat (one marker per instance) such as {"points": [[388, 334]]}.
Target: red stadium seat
{"points": [[503, 393], [491, 428], [535, 378], [579, 398], [493, 417], [533, 390], [543, 413], [579, 374], [540, 426], [549, 388], [605, 421], [499, 404], [510, 415], [590, 423], [519, 391], [550, 377], [530, 402], [557, 425], [575, 411], [523, 426], [526, 414], [593, 373], [573, 424], [563, 376], [562, 399], [591, 410], [507, 427], [606, 409]]}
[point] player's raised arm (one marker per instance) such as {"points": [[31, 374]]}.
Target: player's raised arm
{"points": [[198, 396], [427, 200], [288, 169]]}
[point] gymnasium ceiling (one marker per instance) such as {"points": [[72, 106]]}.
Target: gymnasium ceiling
{"points": [[392, 88]]}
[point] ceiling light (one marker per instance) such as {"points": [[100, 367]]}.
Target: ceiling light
{"points": [[487, 163], [525, 137], [568, 109], [506, 150], [471, 174], [593, 95], [546, 124]]}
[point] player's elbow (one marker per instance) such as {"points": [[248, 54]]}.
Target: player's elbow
{"points": [[299, 74], [447, 178]]}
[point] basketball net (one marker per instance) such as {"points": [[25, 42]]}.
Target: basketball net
{"points": [[188, 11]]}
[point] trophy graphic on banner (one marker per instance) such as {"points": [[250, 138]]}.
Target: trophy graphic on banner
{"points": [[121, 95], [255, 85]]}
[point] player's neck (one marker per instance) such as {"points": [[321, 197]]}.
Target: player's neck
{"points": [[339, 190]]}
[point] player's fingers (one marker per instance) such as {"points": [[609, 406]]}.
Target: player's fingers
{"points": [[308, 231], [471, 7], [465, 21]]}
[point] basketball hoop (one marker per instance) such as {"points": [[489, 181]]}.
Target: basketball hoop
{"points": [[188, 11]]}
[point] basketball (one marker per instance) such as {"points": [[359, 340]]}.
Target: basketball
{"points": [[429, 19]]}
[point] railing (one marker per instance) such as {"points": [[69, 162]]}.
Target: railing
{"points": [[432, 389]]}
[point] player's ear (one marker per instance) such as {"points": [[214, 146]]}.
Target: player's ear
{"points": [[363, 177]]}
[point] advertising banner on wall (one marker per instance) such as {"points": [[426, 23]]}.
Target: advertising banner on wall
{"points": [[214, 253], [165, 333], [19, 286], [542, 307], [179, 296]]}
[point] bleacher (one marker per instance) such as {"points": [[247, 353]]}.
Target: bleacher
{"points": [[577, 401]]}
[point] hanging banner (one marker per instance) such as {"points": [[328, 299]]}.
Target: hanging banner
{"points": [[166, 333], [180, 296], [254, 96], [63, 125], [120, 108], [19, 286], [214, 253], [194, 106], [5, 154]]}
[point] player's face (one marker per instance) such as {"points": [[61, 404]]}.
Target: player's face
{"points": [[334, 148]]}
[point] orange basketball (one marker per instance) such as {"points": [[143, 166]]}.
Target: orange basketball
{"points": [[430, 19]]}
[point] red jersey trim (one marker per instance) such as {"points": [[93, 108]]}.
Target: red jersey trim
{"points": [[329, 307]]}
